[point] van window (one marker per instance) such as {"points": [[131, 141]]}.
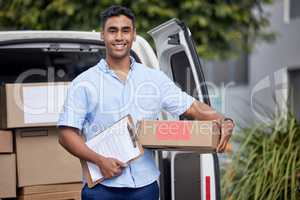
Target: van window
{"points": [[182, 73], [39, 65]]}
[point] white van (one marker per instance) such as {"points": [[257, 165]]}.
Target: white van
{"points": [[53, 56]]}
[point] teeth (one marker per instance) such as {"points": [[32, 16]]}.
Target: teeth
{"points": [[119, 45]]}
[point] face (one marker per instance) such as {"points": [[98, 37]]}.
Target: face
{"points": [[118, 35]]}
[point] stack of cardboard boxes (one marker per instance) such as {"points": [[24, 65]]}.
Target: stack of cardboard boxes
{"points": [[7, 165], [33, 165]]}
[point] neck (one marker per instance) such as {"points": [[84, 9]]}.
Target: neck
{"points": [[122, 64]]}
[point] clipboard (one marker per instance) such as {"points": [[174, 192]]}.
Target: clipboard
{"points": [[131, 133]]}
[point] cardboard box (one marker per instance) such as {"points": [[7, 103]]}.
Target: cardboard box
{"points": [[68, 195], [31, 104], [7, 175], [6, 141], [42, 160], [67, 191], [202, 136], [53, 188]]}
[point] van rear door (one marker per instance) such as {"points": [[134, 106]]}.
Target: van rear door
{"points": [[178, 58]]}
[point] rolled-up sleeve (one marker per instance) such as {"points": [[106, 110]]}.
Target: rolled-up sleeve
{"points": [[173, 99], [75, 107]]}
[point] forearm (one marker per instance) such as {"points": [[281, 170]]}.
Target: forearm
{"points": [[73, 143], [201, 111]]}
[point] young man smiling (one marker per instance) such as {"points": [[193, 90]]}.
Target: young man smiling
{"points": [[113, 88]]}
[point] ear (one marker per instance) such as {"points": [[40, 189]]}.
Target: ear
{"points": [[101, 36]]}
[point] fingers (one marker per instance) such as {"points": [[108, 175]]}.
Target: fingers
{"points": [[227, 125], [226, 132], [112, 167], [222, 145], [121, 164], [117, 171], [118, 165]]}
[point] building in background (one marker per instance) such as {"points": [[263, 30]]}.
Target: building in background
{"points": [[257, 85]]}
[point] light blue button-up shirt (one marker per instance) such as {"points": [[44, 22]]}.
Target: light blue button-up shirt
{"points": [[97, 98]]}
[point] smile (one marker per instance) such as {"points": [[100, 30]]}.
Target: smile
{"points": [[119, 46]]}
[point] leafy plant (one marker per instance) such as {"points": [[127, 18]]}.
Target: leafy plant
{"points": [[221, 28], [266, 165]]}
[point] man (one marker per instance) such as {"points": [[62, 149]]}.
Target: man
{"points": [[113, 88]]}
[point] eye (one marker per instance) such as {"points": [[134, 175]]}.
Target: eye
{"points": [[126, 30], [112, 30]]}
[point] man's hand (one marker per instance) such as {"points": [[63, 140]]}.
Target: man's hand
{"points": [[111, 167], [226, 132], [201, 111], [74, 143]]}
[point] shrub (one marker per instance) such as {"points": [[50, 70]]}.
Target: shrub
{"points": [[267, 163]]}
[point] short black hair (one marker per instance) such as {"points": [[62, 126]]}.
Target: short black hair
{"points": [[115, 10]]}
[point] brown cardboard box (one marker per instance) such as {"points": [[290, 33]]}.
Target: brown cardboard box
{"points": [[6, 141], [66, 191], [42, 160], [52, 188], [202, 136], [31, 104], [68, 195], [7, 175]]}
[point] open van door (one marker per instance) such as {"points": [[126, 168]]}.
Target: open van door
{"points": [[190, 175]]}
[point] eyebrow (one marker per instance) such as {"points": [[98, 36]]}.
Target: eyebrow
{"points": [[115, 27]]}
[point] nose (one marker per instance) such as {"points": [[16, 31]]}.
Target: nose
{"points": [[119, 35]]}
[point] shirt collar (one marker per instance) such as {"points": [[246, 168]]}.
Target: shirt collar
{"points": [[105, 67]]}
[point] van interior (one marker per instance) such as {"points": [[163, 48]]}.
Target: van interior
{"points": [[33, 64]]}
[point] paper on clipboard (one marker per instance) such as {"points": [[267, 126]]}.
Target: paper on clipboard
{"points": [[117, 141]]}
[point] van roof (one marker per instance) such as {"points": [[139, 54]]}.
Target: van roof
{"points": [[31, 35]]}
